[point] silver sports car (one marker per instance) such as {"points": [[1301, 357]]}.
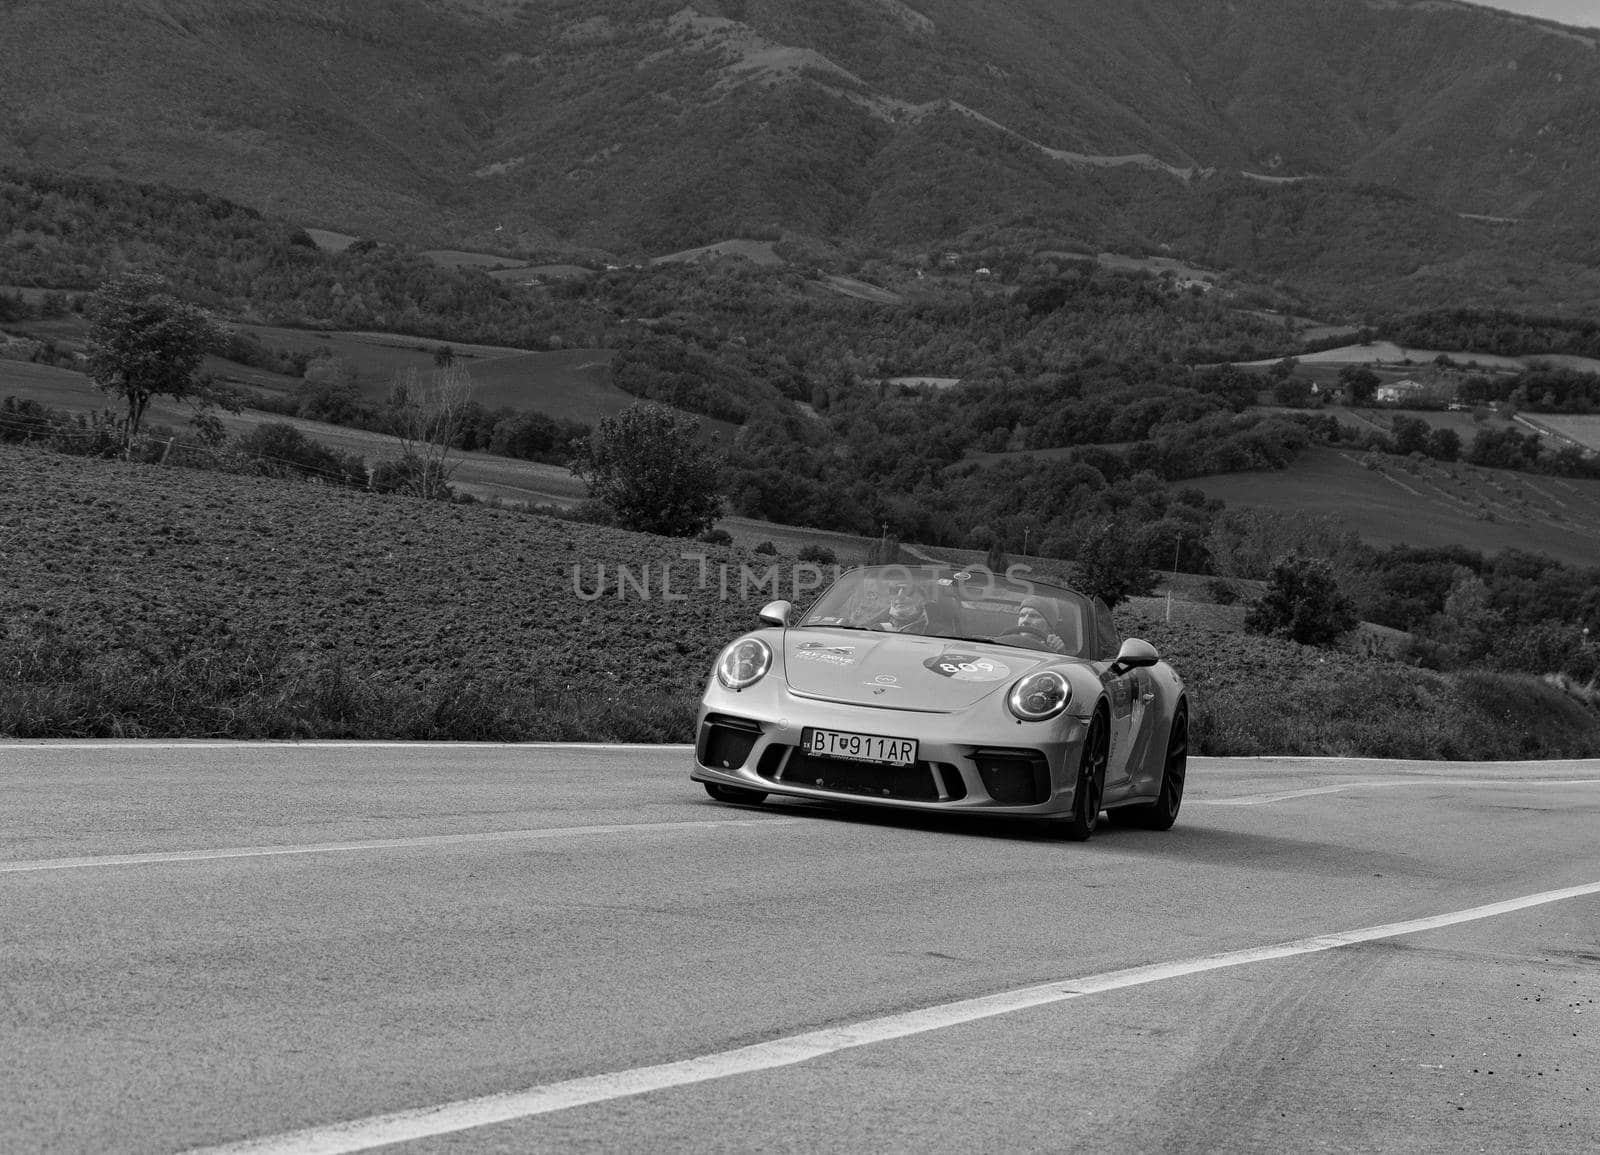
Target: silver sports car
{"points": [[943, 690]]}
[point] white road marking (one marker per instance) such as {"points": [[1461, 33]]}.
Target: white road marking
{"points": [[376, 844], [467, 1114], [1285, 795]]}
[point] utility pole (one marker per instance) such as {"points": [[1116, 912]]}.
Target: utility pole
{"points": [[1176, 543]]}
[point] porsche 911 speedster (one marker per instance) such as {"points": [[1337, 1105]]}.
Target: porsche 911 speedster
{"points": [[944, 690]]}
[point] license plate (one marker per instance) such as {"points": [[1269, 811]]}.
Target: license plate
{"points": [[859, 747]]}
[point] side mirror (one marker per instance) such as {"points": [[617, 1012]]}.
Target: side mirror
{"points": [[777, 613], [1135, 653]]}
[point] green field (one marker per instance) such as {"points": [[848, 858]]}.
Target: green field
{"points": [[1584, 428], [1465, 425], [1427, 503]]}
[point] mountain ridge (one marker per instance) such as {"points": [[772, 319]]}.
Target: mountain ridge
{"points": [[640, 126]]}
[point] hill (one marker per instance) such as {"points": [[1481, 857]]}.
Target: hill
{"points": [[151, 601], [1411, 152]]}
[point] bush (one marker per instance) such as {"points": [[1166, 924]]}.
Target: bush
{"points": [[649, 465], [716, 537], [1303, 603], [1223, 592], [411, 474], [766, 547], [278, 449], [820, 554]]}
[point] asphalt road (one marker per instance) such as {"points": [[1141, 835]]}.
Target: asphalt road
{"points": [[329, 947]]}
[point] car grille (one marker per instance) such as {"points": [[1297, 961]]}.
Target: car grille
{"points": [[919, 782]]}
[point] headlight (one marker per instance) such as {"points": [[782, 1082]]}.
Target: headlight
{"points": [[744, 663], [1039, 696]]}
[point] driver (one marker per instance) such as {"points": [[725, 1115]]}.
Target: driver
{"points": [[1034, 621]]}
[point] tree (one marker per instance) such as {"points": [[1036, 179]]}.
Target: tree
{"points": [[145, 343], [427, 418], [1411, 435], [1108, 566], [1303, 603], [649, 466], [1444, 445], [1360, 384]]}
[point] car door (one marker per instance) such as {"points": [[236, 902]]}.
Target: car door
{"points": [[1122, 691], [1126, 693]]}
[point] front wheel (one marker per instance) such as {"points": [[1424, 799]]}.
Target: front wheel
{"points": [[1090, 788], [735, 794], [1163, 812]]}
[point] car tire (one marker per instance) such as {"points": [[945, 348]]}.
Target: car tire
{"points": [[735, 794], [1087, 794], [1163, 812]]}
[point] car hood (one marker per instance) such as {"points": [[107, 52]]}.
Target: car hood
{"points": [[900, 671]]}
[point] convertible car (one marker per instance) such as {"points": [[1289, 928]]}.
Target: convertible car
{"points": [[944, 690]]}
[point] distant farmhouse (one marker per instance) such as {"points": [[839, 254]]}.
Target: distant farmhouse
{"points": [[1412, 392], [1400, 392]]}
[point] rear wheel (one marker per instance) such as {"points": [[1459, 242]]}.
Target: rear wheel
{"points": [[735, 794], [1090, 788], [1163, 812]]}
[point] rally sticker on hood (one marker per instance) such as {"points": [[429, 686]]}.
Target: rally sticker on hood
{"points": [[968, 667], [821, 652]]}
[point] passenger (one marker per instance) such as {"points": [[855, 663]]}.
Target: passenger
{"points": [[908, 610], [867, 605], [1033, 620]]}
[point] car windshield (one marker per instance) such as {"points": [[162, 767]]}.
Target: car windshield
{"points": [[969, 605]]}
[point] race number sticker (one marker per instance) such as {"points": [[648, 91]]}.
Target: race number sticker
{"points": [[968, 668]]}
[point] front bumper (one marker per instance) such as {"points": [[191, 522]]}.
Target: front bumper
{"points": [[978, 760]]}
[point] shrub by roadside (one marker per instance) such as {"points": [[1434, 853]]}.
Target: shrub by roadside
{"points": [[1256, 696]]}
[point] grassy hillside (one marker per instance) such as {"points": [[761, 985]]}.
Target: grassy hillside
{"points": [[143, 600]]}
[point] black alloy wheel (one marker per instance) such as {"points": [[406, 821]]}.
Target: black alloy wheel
{"points": [[1163, 812], [1086, 795]]}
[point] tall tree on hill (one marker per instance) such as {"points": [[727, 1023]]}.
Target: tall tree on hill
{"points": [[649, 466], [1107, 566], [428, 418], [145, 343]]}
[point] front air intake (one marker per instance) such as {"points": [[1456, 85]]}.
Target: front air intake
{"points": [[725, 741], [1014, 777]]}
